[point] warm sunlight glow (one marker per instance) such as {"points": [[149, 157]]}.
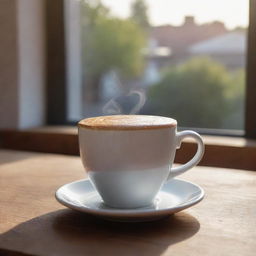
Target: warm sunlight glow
{"points": [[232, 12]]}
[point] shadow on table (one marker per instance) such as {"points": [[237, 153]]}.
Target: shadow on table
{"points": [[10, 156], [66, 232]]}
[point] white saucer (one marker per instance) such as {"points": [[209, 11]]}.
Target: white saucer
{"points": [[176, 195]]}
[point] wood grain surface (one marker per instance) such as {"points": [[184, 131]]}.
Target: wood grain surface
{"points": [[32, 222]]}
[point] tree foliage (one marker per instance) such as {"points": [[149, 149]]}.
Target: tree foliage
{"points": [[139, 14], [235, 99], [113, 44], [109, 43], [199, 93]]}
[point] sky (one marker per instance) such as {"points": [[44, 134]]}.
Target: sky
{"points": [[232, 12]]}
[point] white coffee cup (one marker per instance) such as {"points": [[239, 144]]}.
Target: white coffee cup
{"points": [[129, 157]]}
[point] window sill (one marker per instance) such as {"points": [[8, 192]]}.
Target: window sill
{"points": [[220, 151]]}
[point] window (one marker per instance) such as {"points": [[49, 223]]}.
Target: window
{"points": [[173, 58]]}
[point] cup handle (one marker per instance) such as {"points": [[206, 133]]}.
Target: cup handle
{"points": [[197, 157]]}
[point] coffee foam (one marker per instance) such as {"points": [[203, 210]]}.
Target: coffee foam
{"points": [[127, 122]]}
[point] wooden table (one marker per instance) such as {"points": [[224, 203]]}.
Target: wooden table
{"points": [[32, 222]]}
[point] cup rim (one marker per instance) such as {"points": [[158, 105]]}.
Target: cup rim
{"points": [[143, 122]]}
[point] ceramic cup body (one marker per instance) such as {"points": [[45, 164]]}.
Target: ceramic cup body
{"points": [[128, 167]]}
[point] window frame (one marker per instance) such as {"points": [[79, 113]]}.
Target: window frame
{"points": [[56, 81], [250, 95]]}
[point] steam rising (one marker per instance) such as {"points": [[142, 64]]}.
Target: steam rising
{"points": [[113, 107], [141, 102]]}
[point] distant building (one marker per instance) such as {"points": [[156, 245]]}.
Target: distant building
{"points": [[179, 38], [157, 56], [229, 49], [191, 39], [174, 42]]}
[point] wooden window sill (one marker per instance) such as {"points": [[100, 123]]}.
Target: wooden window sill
{"points": [[227, 152]]}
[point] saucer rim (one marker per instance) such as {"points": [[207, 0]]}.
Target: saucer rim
{"points": [[134, 212]]}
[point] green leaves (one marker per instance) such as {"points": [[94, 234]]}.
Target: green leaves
{"points": [[200, 93], [110, 43], [139, 14]]}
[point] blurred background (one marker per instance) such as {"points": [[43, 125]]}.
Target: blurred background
{"points": [[173, 58], [64, 60]]}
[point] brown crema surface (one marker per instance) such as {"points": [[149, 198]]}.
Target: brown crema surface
{"points": [[127, 122]]}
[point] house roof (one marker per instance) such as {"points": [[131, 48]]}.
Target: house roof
{"points": [[233, 42], [178, 39]]}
